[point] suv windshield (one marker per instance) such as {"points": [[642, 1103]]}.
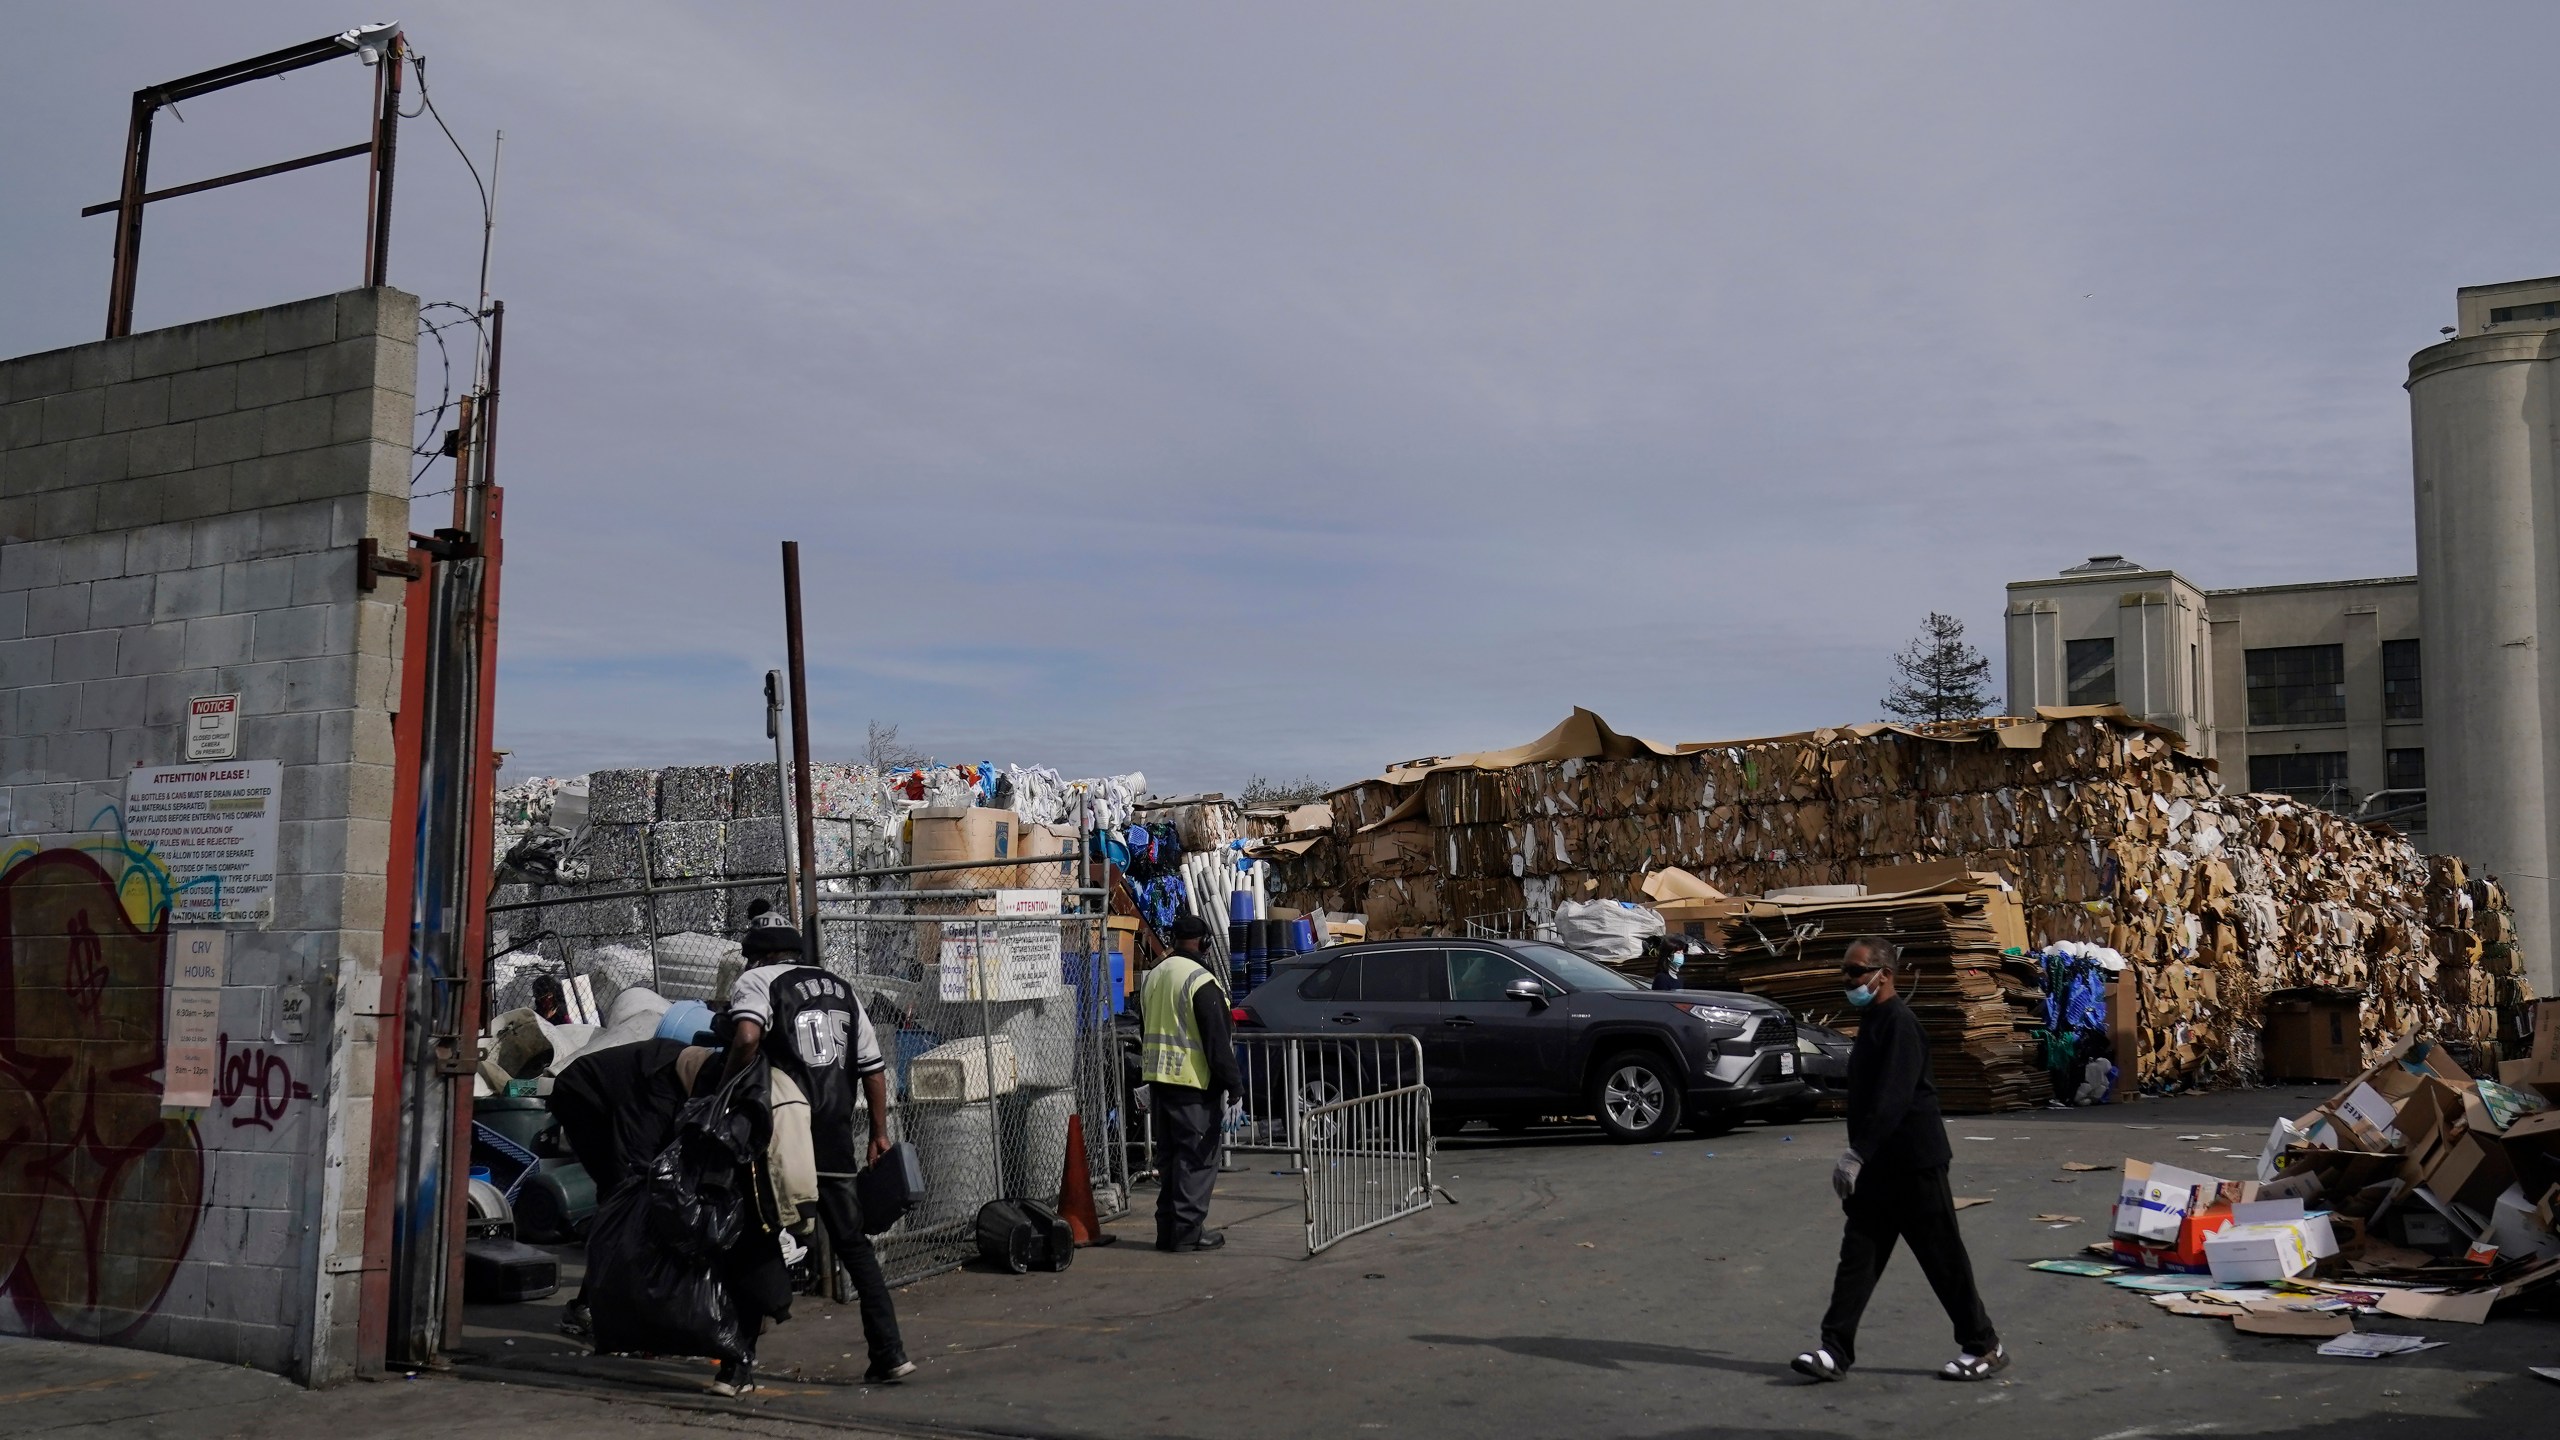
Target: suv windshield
{"points": [[1576, 972]]}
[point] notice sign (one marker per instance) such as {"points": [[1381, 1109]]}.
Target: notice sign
{"points": [[1013, 961], [212, 830], [195, 1017], [213, 727]]}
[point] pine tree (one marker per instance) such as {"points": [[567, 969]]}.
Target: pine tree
{"points": [[1939, 677]]}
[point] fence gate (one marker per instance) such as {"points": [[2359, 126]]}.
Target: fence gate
{"points": [[1354, 1111]]}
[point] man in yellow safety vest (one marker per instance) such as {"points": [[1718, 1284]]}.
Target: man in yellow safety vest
{"points": [[1190, 1060]]}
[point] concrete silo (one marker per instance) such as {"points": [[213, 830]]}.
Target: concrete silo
{"points": [[2481, 440]]}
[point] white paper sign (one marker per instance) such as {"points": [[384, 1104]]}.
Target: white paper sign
{"points": [[196, 960], [213, 727], [1017, 961], [1031, 969], [293, 1015], [212, 830]]}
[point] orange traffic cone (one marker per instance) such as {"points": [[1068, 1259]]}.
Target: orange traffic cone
{"points": [[1075, 1191]]}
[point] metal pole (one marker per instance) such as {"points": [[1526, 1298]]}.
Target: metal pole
{"points": [[137, 166], [781, 791], [386, 152], [463, 447], [476, 516], [807, 827], [649, 905]]}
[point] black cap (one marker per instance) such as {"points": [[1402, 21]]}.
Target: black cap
{"points": [[1189, 927], [763, 940]]}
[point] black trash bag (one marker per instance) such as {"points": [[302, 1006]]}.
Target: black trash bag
{"points": [[700, 1186], [1023, 1235], [646, 1298]]}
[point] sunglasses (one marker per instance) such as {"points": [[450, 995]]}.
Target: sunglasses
{"points": [[1854, 971]]}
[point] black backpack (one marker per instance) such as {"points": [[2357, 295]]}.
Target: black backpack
{"points": [[1023, 1235]]}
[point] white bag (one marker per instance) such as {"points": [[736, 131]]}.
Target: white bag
{"points": [[1606, 929]]}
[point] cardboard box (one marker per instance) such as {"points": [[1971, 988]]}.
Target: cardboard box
{"points": [[2154, 1201], [2268, 1240], [2183, 1255], [2544, 1016], [2314, 1034], [2007, 914], [2521, 1227], [1059, 840], [947, 834], [2369, 1115]]}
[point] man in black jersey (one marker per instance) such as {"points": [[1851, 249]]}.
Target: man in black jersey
{"points": [[808, 1023]]}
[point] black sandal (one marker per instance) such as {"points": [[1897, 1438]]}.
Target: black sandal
{"points": [[1818, 1365], [1976, 1367]]}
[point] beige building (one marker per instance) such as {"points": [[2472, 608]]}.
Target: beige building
{"points": [[2309, 690]]}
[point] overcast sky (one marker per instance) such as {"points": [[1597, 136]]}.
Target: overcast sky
{"points": [[1221, 390]]}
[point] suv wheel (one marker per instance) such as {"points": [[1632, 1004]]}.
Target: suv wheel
{"points": [[1636, 1095]]}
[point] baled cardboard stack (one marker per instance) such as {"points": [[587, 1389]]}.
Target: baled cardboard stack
{"points": [[2110, 831], [1978, 1006]]}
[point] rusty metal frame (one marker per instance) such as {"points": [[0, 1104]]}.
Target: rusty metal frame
{"points": [[382, 147]]}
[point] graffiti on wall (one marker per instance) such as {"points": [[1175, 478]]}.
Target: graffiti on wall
{"points": [[255, 1084], [143, 885], [99, 1194]]}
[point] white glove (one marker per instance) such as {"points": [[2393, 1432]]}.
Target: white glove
{"points": [[1844, 1175]]}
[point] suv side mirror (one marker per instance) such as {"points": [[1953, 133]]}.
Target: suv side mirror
{"points": [[1529, 990]]}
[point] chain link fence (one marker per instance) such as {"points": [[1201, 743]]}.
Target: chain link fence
{"points": [[988, 983]]}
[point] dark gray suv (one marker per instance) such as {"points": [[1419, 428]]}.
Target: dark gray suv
{"points": [[1512, 1030]]}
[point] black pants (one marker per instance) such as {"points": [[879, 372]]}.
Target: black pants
{"points": [[1186, 1159], [840, 1209], [1911, 1205]]}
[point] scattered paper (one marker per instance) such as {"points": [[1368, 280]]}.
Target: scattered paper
{"points": [[2190, 1137], [2470, 1309], [2082, 1166], [2063, 1219], [1967, 1202], [2075, 1267], [2369, 1345], [2161, 1284], [2142, 1127], [2299, 1322], [1982, 1137]]}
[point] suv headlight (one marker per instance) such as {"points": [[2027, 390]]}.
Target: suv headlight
{"points": [[1724, 1015]]}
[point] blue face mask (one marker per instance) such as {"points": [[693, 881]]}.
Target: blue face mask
{"points": [[1862, 995]]}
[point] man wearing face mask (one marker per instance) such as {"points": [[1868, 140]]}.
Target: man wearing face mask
{"points": [[1675, 953], [1892, 1180]]}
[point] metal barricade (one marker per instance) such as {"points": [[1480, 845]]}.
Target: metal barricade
{"points": [[1355, 1113]]}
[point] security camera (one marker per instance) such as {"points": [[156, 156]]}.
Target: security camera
{"points": [[369, 41]]}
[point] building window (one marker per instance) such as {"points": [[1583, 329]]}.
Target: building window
{"points": [[2314, 775], [2404, 769], [2509, 314], [2298, 685], [2091, 665], [2400, 697]]}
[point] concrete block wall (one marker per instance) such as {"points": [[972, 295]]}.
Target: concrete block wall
{"points": [[179, 516]]}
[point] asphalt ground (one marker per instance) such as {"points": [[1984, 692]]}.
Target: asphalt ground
{"points": [[1574, 1288]]}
